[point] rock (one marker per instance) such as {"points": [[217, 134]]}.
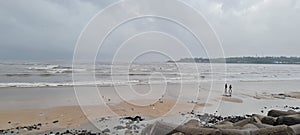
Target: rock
{"points": [[276, 130], [234, 132], [250, 126], [243, 122], [256, 119], [56, 121], [268, 120], [265, 119], [161, 128], [262, 125], [224, 125], [106, 130], [158, 128], [288, 120], [277, 113], [136, 118], [291, 111], [192, 123], [295, 129], [294, 108], [235, 119], [119, 127]]}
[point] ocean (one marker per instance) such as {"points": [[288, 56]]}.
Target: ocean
{"points": [[59, 74]]}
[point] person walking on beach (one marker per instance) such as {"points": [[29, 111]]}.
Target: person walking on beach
{"points": [[230, 90], [225, 88]]}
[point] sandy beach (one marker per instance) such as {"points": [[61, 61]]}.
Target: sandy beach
{"points": [[63, 112]]}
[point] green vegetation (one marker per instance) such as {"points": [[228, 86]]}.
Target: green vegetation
{"points": [[245, 60]]}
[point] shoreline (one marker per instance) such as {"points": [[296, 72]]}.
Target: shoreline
{"points": [[57, 110], [72, 117]]}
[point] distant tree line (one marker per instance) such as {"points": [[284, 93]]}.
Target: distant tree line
{"points": [[244, 60]]}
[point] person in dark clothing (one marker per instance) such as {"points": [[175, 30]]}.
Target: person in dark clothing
{"points": [[226, 88], [230, 90]]}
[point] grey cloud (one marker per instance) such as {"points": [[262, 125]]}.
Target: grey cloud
{"points": [[44, 27], [268, 27], [48, 29]]}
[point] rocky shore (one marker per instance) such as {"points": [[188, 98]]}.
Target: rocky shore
{"points": [[261, 113], [275, 123]]}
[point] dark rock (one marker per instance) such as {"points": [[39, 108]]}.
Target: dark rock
{"points": [[56, 121], [235, 119], [277, 113], [119, 127], [275, 130], [106, 130], [136, 118], [294, 108], [265, 119], [262, 125], [161, 128], [234, 132], [224, 125], [288, 120], [243, 122]]}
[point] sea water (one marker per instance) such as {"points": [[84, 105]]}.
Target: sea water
{"points": [[60, 74]]}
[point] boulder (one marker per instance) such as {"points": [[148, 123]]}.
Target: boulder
{"points": [[162, 128], [224, 125], [243, 122], [295, 129], [277, 113], [250, 127], [266, 119], [192, 123], [288, 120], [275, 130], [234, 132], [262, 125]]}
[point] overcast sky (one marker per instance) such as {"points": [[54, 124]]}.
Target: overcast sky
{"points": [[48, 29]]}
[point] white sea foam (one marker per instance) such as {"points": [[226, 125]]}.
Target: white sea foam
{"points": [[56, 69], [68, 84], [48, 74], [44, 67]]}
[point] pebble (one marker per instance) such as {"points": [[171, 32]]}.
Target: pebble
{"points": [[56, 121], [106, 130]]}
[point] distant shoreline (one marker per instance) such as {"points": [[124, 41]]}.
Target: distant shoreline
{"points": [[242, 60]]}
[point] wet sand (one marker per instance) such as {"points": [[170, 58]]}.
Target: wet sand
{"points": [[72, 116], [28, 106]]}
